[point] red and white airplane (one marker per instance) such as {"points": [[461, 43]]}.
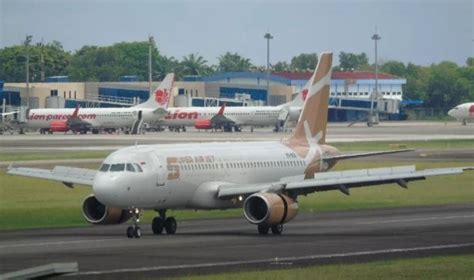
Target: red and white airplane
{"points": [[237, 117], [56, 120], [463, 112]]}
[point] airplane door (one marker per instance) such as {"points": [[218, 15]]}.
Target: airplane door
{"points": [[160, 191]]}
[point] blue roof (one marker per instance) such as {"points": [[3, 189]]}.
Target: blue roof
{"points": [[245, 75]]}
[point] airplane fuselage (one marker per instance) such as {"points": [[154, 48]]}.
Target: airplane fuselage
{"points": [[463, 112], [252, 115], [97, 117], [184, 175]]}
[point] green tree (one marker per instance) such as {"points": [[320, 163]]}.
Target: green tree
{"points": [[233, 62], [351, 61], [194, 64], [304, 61], [13, 61], [394, 67], [281, 66], [165, 65], [444, 88]]}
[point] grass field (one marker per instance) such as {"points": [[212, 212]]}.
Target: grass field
{"points": [[32, 203], [449, 267]]}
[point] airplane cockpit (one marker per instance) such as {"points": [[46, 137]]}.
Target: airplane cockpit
{"points": [[121, 167]]}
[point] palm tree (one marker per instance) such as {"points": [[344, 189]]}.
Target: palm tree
{"points": [[194, 64], [233, 62]]}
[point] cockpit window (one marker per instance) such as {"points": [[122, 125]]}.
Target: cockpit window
{"points": [[117, 167], [130, 167], [104, 167], [138, 167]]}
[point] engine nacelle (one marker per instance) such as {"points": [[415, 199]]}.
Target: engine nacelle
{"points": [[270, 209], [58, 126], [99, 214], [203, 124]]}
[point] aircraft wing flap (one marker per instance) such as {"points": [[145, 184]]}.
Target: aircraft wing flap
{"points": [[67, 175]]}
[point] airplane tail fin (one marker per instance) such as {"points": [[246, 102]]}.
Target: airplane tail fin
{"points": [[313, 119], [221, 110], [299, 99], [161, 96], [76, 111]]}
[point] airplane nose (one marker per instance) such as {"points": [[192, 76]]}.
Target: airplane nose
{"points": [[450, 112], [103, 188]]}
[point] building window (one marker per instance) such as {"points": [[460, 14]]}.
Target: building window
{"points": [[75, 95]]}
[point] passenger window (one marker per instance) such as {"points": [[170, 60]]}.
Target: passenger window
{"points": [[117, 167], [104, 167], [130, 167]]}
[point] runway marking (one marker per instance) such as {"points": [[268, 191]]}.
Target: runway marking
{"points": [[272, 260], [56, 243], [415, 220]]}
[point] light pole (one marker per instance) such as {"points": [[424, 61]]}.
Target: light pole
{"points": [[151, 41], [268, 36], [375, 94], [27, 44]]}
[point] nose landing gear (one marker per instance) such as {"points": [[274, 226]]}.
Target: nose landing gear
{"points": [[168, 224], [135, 230]]}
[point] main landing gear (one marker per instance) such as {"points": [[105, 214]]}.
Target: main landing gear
{"points": [[276, 229], [168, 224], [135, 230]]}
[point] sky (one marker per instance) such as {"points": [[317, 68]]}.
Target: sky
{"points": [[418, 31]]}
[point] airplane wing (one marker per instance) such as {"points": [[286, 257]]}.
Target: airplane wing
{"points": [[67, 175], [339, 180]]}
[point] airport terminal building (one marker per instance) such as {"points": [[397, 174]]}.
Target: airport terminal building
{"points": [[349, 91]]}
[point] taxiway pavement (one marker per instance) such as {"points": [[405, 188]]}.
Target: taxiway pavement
{"points": [[206, 246], [387, 131]]}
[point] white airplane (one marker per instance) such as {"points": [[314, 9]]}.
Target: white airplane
{"points": [[265, 178], [52, 120], [237, 116], [463, 112]]}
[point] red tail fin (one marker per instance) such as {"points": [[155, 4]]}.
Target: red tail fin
{"points": [[76, 111], [221, 110]]}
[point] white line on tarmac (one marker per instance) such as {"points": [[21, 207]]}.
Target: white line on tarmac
{"points": [[416, 220], [273, 260], [56, 243]]}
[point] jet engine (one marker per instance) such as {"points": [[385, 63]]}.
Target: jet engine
{"points": [[270, 209], [203, 124], [58, 126], [99, 214]]}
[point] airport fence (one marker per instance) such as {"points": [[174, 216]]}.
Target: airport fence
{"points": [[427, 113]]}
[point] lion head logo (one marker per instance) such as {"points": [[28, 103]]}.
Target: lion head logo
{"points": [[305, 94], [162, 96]]}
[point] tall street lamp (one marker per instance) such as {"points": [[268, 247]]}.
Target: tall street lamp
{"points": [[151, 42], [375, 94], [268, 36], [27, 44]]}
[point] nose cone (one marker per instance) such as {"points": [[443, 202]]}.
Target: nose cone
{"points": [[450, 112], [106, 188]]}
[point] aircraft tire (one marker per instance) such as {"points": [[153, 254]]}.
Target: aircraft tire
{"points": [[137, 232], [130, 232], [277, 229], [157, 225], [171, 225]]}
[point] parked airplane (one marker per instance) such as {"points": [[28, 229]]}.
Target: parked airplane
{"points": [[265, 177], [54, 120], [463, 112], [181, 117]]}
